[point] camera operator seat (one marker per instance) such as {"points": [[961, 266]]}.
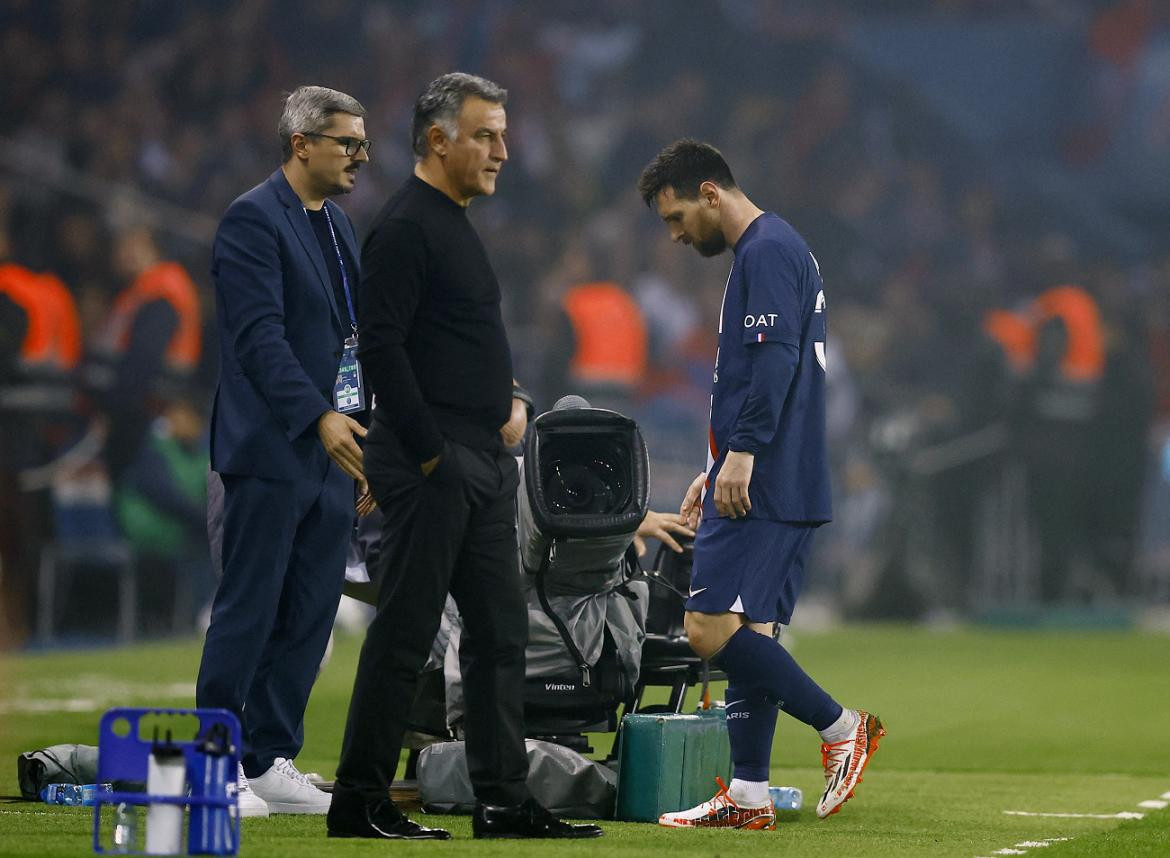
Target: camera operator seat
{"points": [[667, 657]]}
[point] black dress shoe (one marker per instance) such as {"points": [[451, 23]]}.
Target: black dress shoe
{"points": [[525, 820], [354, 817]]}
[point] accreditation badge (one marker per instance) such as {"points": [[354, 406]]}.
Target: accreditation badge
{"points": [[349, 392]]}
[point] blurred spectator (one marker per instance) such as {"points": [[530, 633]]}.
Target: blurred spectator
{"points": [[153, 334], [40, 343], [161, 502], [610, 334], [1059, 402], [1121, 455]]}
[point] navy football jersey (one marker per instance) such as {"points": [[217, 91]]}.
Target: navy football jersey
{"points": [[774, 299]]}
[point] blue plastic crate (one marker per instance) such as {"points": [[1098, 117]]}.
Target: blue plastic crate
{"points": [[123, 756]]}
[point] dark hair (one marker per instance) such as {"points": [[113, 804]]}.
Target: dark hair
{"points": [[441, 102], [684, 165]]}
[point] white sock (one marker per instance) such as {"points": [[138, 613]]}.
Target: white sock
{"points": [[749, 793], [843, 728]]}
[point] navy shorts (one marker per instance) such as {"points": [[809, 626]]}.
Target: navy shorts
{"points": [[749, 566]]}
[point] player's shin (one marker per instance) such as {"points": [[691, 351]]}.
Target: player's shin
{"points": [[752, 660], [751, 724]]}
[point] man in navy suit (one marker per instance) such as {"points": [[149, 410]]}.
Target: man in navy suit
{"points": [[285, 266]]}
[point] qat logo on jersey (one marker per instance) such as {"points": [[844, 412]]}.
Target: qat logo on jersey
{"points": [[764, 320]]}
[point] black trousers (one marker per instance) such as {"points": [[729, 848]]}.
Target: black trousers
{"points": [[453, 531]]}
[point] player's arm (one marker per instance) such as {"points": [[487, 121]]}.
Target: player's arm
{"points": [[773, 368], [771, 334]]}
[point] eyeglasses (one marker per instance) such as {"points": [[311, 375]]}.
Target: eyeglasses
{"points": [[351, 144]]}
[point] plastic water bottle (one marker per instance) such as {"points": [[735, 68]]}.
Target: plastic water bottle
{"points": [[73, 795], [69, 794], [125, 828], [786, 798]]}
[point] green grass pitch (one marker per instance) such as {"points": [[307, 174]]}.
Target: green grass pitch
{"points": [[980, 722]]}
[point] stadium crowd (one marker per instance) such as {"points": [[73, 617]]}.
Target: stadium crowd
{"points": [[132, 125]]}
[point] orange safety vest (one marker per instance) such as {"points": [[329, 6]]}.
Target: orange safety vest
{"points": [[165, 281], [1084, 359], [611, 334], [1015, 336], [53, 338], [1084, 356]]}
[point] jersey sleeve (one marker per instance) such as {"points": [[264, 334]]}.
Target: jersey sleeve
{"points": [[772, 300]]}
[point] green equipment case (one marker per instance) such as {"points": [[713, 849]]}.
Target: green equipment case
{"points": [[669, 762]]}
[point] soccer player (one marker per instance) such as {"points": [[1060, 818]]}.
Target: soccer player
{"points": [[766, 486]]}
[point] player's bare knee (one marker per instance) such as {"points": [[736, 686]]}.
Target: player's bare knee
{"points": [[707, 633]]}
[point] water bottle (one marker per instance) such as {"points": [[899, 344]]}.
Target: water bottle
{"points": [[786, 798], [166, 775], [69, 794], [125, 828], [73, 795]]}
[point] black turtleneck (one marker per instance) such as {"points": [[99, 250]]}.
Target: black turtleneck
{"points": [[432, 340]]}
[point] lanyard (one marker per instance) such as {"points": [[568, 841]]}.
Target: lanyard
{"points": [[341, 264]]}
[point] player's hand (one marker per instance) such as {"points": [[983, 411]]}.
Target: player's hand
{"points": [[513, 430], [337, 432], [365, 502], [691, 511], [731, 486], [662, 526]]}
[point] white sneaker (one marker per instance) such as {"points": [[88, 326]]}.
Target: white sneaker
{"points": [[288, 791], [250, 803]]}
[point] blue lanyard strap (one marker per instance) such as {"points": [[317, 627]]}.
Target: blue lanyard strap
{"points": [[341, 264]]}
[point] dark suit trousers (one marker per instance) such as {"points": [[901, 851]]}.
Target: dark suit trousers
{"points": [[453, 531], [283, 555]]}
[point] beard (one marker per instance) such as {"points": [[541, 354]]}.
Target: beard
{"points": [[341, 187], [711, 245]]}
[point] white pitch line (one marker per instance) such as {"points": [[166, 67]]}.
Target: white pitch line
{"points": [[1021, 848], [1040, 844], [1125, 814]]}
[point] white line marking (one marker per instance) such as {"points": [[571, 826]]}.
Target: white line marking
{"points": [[1040, 844], [1165, 795], [1154, 804], [1020, 848], [1122, 815], [75, 704], [97, 692]]}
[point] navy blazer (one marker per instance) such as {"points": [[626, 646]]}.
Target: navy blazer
{"points": [[280, 334]]}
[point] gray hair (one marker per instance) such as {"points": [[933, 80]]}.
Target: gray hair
{"points": [[441, 102], [309, 110]]}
